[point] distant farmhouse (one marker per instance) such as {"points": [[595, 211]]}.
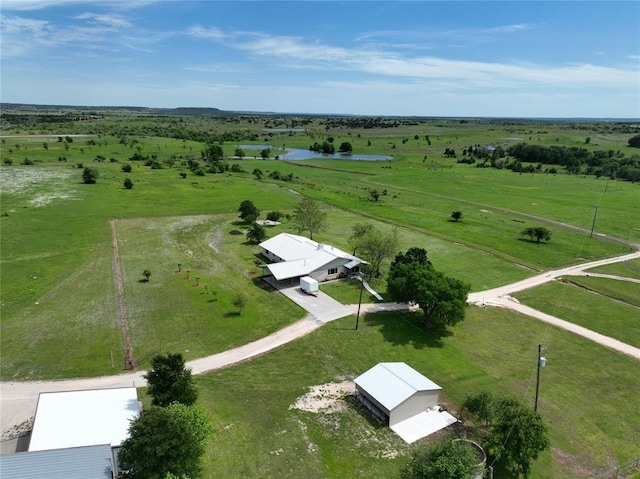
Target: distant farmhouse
{"points": [[295, 256], [76, 435]]}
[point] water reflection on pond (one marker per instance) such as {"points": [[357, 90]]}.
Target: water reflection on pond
{"points": [[300, 154]]}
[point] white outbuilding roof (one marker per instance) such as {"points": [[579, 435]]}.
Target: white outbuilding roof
{"points": [[391, 384], [83, 418], [301, 256]]}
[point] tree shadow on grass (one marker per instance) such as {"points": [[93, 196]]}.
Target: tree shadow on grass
{"points": [[532, 241], [407, 327], [232, 314]]}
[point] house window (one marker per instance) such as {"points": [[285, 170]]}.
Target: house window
{"points": [[333, 271]]}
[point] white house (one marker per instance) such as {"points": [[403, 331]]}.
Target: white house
{"points": [[295, 256], [404, 399]]}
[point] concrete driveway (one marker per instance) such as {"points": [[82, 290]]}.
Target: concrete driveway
{"points": [[323, 307]]}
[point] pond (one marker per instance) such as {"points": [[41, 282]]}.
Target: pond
{"points": [[300, 154]]}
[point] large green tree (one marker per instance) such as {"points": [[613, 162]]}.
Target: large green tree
{"points": [[165, 441], [413, 279], [169, 381], [481, 407], [213, 153], [248, 211], [513, 435], [358, 231], [516, 437], [537, 233], [374, 245], [446, 459], [634, 141], [309, 217], [256, 233], [345, 147]]}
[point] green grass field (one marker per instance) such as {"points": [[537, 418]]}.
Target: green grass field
{"points": [[624, 291], [587, 308], [258, 435], [629, 269], [59, 310]]}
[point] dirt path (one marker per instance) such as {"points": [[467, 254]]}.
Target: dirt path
{"points": [[501, 297], [117, 274], [19, 399]]}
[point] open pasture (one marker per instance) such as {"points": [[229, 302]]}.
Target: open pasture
{"points": [[629, 269], [624, 291], [60, 309], [258, 434], [591, 309]]}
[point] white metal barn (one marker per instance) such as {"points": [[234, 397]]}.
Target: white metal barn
{"points": [[83, 418], [404, 399], [295, 256]]}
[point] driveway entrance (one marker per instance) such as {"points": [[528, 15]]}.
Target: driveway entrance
{"points": [[323, 307]]}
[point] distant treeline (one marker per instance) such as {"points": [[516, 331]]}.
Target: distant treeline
{"points": [[525, 158]]}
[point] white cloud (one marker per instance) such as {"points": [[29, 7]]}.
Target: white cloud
{"points": [[27, 5], [115, 21], [206, 33], [14, 24], [296, 53], [509, 28]]}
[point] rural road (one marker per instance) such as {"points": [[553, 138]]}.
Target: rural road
{"points": [[18, 399]]}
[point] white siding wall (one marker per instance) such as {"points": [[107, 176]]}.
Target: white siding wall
{"points": [[272, 257], [323, 274], [417, 403]]}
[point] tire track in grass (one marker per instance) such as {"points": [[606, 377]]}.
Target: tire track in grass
{"points": [[124, 325]]}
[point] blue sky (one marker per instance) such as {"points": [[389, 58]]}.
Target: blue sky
{"points": [[478, 58]]}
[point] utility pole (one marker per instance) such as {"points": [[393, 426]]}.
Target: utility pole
{"points": [[360, 300], [593, 223], [541, 362]]}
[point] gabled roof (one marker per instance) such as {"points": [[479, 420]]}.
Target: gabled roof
{"points": [[73, 463], [83, 418], [302, 255], [390, 384]]}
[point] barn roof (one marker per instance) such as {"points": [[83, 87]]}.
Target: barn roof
{"points": [[73, 463], [390, 384], [83, 418], [301, 256]]}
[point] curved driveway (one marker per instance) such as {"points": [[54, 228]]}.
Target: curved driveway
{"points": [[19, 399]]}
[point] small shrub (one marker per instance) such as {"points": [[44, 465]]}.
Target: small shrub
{"points": [[89, 176], [128, 184], [126, 168]]}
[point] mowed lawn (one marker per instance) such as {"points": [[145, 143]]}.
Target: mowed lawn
{"points": [[591, 409], [629, 269], [625, 291], [587, 308], [60, 313]]}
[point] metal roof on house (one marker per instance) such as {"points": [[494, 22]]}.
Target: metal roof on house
{"points": [[89, 462], [390, 384], [300, 256], [83, 418]]}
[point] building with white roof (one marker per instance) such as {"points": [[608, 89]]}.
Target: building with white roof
{"points": [[404, 399], [83, 418], [88, 462], [295, 256], [76, 434]]}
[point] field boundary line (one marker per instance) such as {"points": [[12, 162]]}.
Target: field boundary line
{"points": [[117, 273]]}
